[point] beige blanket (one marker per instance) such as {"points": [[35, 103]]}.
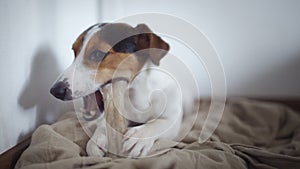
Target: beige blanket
{"points": [[251, 134]]}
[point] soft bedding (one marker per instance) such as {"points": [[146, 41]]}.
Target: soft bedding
{"points": [[251, 134]]}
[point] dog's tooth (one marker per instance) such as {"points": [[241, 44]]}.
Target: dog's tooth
{"points": [[93, 112]]}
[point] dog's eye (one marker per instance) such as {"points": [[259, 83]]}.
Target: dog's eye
{"points": [[97, 56]]}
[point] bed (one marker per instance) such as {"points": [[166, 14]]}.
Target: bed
{"points": [[252, 134]]}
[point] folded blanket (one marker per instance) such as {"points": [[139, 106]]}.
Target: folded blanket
{"points": [[251, 134]]}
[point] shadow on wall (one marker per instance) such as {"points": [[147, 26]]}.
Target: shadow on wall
{"points": [[44, 71]]}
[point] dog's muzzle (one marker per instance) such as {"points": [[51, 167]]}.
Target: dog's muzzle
{"points": [[61, 90]]}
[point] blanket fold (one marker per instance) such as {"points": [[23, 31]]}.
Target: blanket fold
{"points": [[251, 134]]}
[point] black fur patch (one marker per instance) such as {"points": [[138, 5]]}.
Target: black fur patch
{"points": [[127, 45]]}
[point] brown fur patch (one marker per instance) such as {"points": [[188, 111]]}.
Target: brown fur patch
{"points": [[77, 45], [95, 44], [118, 65]]}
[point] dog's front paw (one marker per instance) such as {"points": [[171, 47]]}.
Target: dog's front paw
{"points": [[137, 142], [97, 147]]}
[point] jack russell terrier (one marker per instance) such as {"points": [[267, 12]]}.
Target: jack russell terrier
{"points": [[155, 101]]}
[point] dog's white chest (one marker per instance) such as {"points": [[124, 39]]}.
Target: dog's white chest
{"points": [[150, 96]]}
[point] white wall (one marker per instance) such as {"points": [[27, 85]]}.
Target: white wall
{"points": [[35, 46], [257, 41]]}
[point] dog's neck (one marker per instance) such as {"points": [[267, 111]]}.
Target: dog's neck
{"points": [[145, 74]]}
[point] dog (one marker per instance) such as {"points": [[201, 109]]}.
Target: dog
{"points": [[117, 51]]}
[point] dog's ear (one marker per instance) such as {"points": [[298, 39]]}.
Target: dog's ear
{"points": [[146, 39]]}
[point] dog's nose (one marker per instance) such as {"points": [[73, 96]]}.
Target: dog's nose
{"points": [[61, 91]]}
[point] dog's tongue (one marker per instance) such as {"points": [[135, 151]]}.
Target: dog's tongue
{"points": [[93, 105]]}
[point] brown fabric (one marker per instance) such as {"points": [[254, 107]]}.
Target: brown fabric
{"points": [[251, 134]]}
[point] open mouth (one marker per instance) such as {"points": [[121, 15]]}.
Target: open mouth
{"points": [[93, 103], [93, 106]]}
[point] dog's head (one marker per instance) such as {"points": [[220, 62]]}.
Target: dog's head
{"points": [[100, 51]]}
